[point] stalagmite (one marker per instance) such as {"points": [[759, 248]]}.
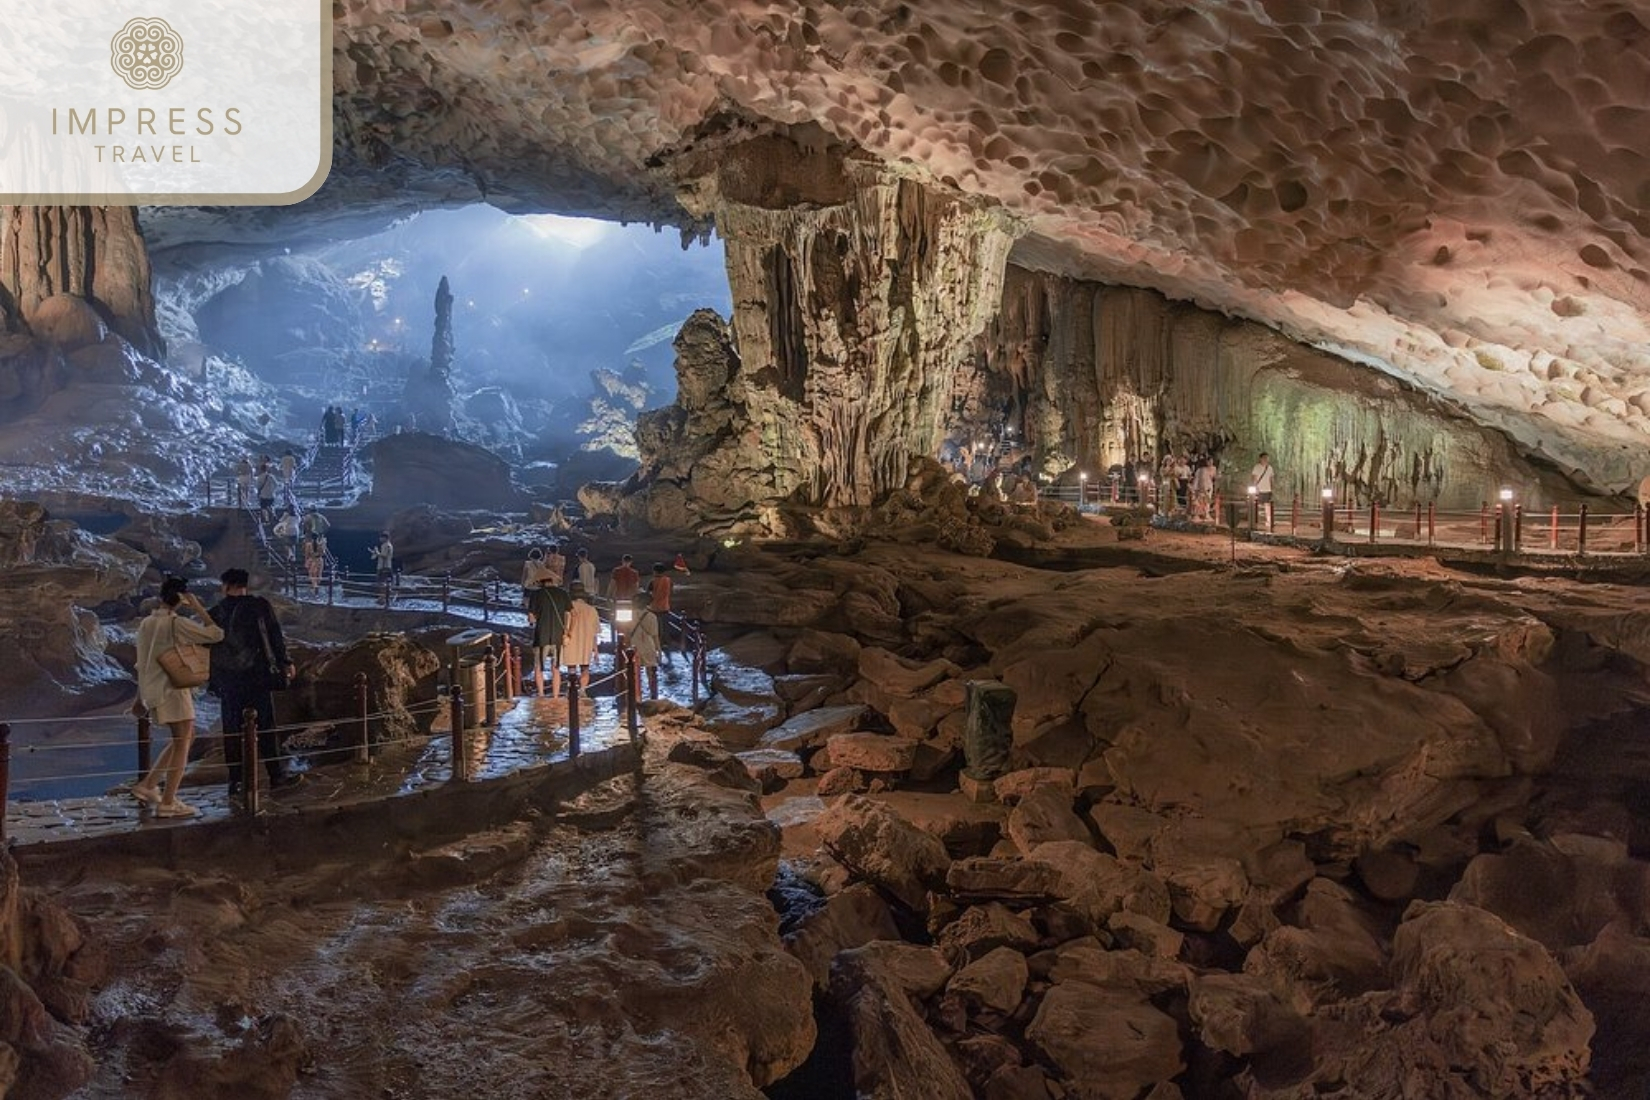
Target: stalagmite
{"points": [[93, 252]]}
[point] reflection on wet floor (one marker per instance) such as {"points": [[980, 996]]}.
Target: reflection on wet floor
{"points": [[530, 732]]}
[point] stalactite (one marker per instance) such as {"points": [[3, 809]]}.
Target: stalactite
{"points": [[1108, 373]]}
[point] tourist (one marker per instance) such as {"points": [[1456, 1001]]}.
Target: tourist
{"points": [[549, 608], [289, 467], [289, 529], [555, 565], [532, 572], [315, 560], [251, 663], [586, 571], [626, 581], [681, 565], [1260, 478], [383, 559], [659, 589], [578, 645], [315, 523], [1203, 491], [173, 707], [1183, 481], [243, 481], [646, 642], [268, 487]]}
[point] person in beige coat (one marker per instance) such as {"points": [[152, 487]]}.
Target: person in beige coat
{"points": [[169, 625]]}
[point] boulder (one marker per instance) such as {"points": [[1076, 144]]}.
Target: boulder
{"points": [[1202, 893], [1561, 893], [1015, 785], [1336, 947], [816, 651], [1149, 937], [1105, 1043], [897, 676], [771, 768], [1128, 829], [69, 321], [839, 781], [1097, 885], [1085, 962], [994, 982], [851, 918], [723, 767], [1045, 816], [805, 731], [984, 928], [893, 1052], [1242, 1015], [871, 752], [982, 878], [879, 845]]}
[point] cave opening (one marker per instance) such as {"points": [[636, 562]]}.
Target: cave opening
{"points": [[562, 327]]}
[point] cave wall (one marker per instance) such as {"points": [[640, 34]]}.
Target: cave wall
{"points": [[1097, 374], [92, 252]]}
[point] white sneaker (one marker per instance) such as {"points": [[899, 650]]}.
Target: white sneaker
{"points": [[145, 794], [175, 808]]}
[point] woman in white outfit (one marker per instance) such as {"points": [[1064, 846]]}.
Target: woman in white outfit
{"points": [[578, 647], [166, 627]]}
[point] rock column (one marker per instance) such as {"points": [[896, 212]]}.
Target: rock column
{"points": [[851, 321], [93, 252]]}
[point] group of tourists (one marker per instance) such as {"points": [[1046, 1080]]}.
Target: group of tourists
{"points": [[339, 429], [246, 660], [560, 592]]}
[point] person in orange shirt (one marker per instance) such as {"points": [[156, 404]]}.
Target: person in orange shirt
{"points": [[658, 590], [626, 581]]}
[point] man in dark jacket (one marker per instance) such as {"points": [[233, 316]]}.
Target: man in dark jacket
{"points": [[247, 665]]}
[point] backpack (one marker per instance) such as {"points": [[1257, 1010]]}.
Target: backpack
{"points": [[236, 653]]}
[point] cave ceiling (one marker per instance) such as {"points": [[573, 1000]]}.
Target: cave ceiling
{"points": [[1455, 191]]}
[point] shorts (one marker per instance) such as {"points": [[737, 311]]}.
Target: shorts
{"points": [[1264, 498], [540, 652]]}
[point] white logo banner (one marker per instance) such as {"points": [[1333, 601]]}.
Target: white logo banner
{"points": [[164, 102]]}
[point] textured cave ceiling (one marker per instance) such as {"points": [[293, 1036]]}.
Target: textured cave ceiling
{"points": [[1452, 190]]}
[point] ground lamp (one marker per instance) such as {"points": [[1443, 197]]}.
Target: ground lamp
{"points": [[1328, 513]]}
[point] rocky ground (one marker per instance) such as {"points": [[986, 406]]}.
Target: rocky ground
{"points": [[1293, 827]]}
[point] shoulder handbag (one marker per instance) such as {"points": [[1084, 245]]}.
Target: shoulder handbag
{"points": [[186, 665], [277, 671]]}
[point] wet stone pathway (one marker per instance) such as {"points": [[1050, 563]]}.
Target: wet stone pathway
{"points": [[530, 732]]}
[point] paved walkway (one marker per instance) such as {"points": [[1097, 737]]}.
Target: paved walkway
{"points": [[530, 733]]}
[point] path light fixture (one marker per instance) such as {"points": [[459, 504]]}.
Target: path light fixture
{"points": [[1082, 488], [1506, 496], [623, 613], [1504, 522], [1328, 513]]}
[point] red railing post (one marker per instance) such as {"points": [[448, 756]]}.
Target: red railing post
{"points": [[251, 785], [633, 679], [1638, 528], [144, 742], [460, 749], [1581, 532], [1374, 521], [489, 668], [1552, 535], [515, 667], [5, 776], [363, 745], [573, 712]]}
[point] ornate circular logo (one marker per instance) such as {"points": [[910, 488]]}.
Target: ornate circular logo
{"points": [[146, 53]]}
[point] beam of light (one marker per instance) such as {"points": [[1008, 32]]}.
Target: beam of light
{"points": [[578, 233]]}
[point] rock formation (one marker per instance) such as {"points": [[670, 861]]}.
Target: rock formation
{"points": [[857, 293], [92, 252], [429, 393], [417, 469], [1094, 375]]}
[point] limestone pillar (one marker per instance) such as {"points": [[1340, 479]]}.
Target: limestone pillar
{"points": [[94, 252], [852, 317]]}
